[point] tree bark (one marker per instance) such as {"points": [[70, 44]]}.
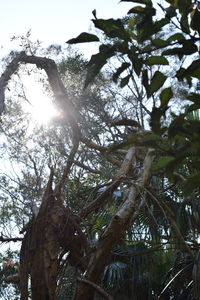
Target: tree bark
{"points": [[116, 229]]}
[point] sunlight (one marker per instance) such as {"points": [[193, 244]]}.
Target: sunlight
{"points": [[41, 108]]}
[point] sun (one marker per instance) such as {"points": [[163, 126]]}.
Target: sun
{"points": [[40, 106], [43, 110]]}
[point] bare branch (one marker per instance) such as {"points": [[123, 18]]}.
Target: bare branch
{"points": [[97, 203], [83, 166], [96, 287], [7, 240]]}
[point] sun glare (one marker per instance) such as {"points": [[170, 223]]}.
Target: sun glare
{"points": [[41, 108]]}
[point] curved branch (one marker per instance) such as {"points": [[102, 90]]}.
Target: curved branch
{"points": [[96, 287]]}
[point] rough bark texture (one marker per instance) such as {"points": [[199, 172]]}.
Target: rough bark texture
{"points": [[55, 228], [115, 230]]}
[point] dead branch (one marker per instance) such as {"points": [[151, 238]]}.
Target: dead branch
{"points": [[7, 240], [87, 168]]}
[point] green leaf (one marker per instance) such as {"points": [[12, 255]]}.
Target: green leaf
{"points": [[170, 12], [176, 37], [184, 21], [156, 60], [176, 126], [184, 6], [136, 61], [145, 80], [121, 69], [194, 97], [188, 47], [156, 115], [112, 28], [159, 42], [125, 81], [165, 96], [94, 13], [84, 37], [162, 162], [195, 22], [137, 10], [193, 70], [159, 24], [97, 61], [157, 82]]}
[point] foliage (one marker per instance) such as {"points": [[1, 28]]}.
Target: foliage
{"points": [[135, 235]]}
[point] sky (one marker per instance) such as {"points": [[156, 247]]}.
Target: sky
{"points": [[53, 21]]}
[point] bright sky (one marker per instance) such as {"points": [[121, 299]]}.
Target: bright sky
{"points": [[53, 21]]}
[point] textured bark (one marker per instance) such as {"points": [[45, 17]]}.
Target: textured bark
{"points": [[47, 232], [54, 227], [115, 230]]}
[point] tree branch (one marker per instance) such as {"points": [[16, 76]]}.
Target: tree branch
{"points": [[117, 228], [99, 201], [7, 240], [96, 287]]}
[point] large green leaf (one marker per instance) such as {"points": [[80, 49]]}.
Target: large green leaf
{"points": [[165, 96], [156, 115], [137, 10], [159, 42], [137, 62], [188, 47], [170, 12], [159, 24], [84, 37], [184, 21], [194, 69], [157, 82], [120, 70], [195, 22], [156, 60], [97, 61], [176, 37], [145, 80], [112, 28], [194, 97], [125, 81]]}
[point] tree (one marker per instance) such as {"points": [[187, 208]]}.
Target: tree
{"points": [[154, 167]]}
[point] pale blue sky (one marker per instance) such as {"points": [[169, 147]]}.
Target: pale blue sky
{"points": [[53, 21]]}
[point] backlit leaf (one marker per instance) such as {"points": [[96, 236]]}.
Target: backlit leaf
{"points": [[84, 37], [156, 60], [157, 82], [121, 69], [125, 81], [165, 96]]}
